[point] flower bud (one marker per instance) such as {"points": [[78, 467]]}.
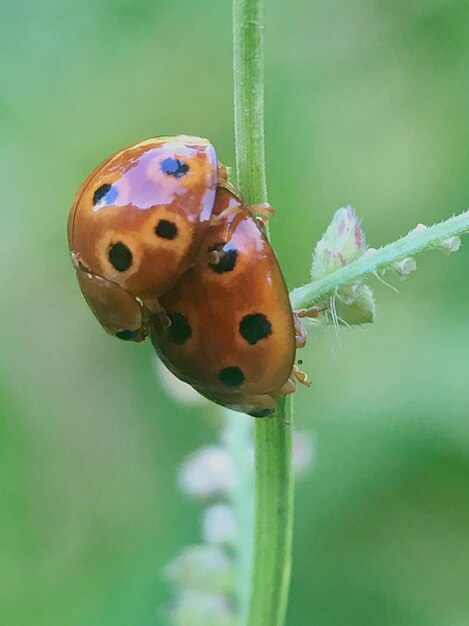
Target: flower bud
{"points": [[355, 304], [196, 608], [208, 472], [404, 267], [451, 244], [202, 567], [343, 242], [219, 524]]}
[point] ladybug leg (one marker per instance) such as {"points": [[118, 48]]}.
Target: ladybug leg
{"points": [[262, 209], [261, 212], [224, 183], [301, 337], [301, 377], [313, 312], [300, 331], [228, 219], [230, 216], [231, 189], [157, 313], [227, 216]]}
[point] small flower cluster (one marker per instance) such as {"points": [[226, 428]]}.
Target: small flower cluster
{"points": [[408, 264], [203, 575], [343, 242]]}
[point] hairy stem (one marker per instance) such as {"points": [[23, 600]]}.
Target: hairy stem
{"points": [[384, 258], [273, 471]]}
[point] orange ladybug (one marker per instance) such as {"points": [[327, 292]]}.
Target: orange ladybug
{"points": [[230, 331], [163, 245], [137, 224]]}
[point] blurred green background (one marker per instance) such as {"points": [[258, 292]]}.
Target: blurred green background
{"points": [[366, 103]]}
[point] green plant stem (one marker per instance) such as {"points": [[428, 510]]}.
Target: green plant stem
{"points": [[273, 472], [375, 261], [248, 75], [273, 519]]}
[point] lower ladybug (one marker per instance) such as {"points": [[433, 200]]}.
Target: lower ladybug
{"points": [[228, 328]]}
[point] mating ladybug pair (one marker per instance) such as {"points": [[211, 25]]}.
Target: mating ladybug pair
{"points": [[163, 246]]}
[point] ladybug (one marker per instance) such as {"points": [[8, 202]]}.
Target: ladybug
{"points": [[137, 224], [229, 329]]}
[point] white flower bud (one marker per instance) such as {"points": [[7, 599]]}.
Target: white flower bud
{"points": [[355, 304], [202, 567], [404, 267], [343, 242], [219, 524], [208, 472], [196, 608], [451, 244]]}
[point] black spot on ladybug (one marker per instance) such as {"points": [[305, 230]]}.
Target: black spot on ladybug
{"points": [[231, 376], [127, 335], [174, 167], [166, 229], [120, 257], [254, 327], [227, 260], [179, 331], [106, 191], [262, 413]]}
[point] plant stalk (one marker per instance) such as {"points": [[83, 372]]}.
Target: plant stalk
{"points": [[271, 561], [382, 259]]}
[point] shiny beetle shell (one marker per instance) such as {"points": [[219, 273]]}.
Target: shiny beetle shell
{"points": [[140, 217], [230, 330]]}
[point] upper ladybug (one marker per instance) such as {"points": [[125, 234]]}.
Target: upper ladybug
{"points": [[137, 224]]}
